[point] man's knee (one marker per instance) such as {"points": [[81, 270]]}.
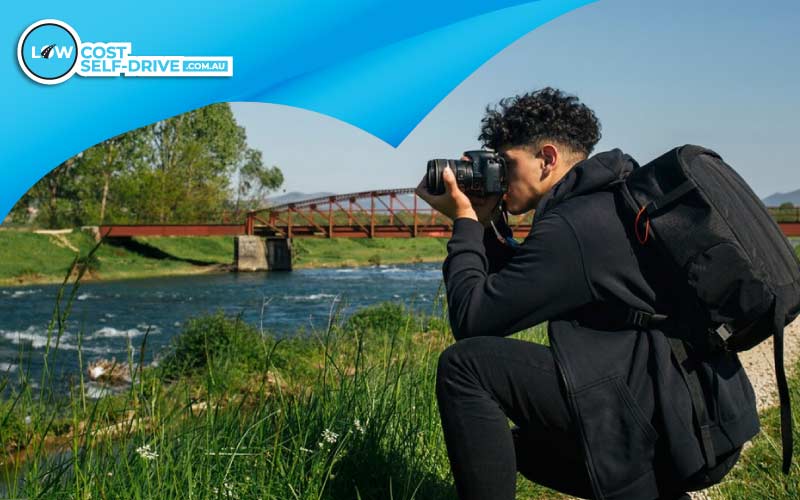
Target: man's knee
{"points": [[457, 362]]}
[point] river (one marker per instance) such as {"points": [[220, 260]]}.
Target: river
{"points": [[111, 316]]}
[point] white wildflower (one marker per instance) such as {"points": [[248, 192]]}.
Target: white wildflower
{"points": [[358, 426], [27, 420], [306, 449], [146, 452], [229, 491], [329, 436]]}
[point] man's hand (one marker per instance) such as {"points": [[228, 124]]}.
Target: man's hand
{"points": [[453, 203]]}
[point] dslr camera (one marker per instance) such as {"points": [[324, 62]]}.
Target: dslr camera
{"points": [[484, 174]]}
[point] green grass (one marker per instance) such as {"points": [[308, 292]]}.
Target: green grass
{"points": [[24, 253], [213, 249], [27, 257], [313, 252], [758, 474], [233, 412]]}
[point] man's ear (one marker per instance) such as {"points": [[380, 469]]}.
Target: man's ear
{"points": [[550, 155]]}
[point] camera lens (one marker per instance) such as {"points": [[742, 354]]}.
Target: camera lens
{"points": [[435, 183]]}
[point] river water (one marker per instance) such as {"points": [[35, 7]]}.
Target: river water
{"points": [[111, 317]]}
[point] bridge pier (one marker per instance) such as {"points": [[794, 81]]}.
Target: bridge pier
{"points": [[279, 254], [254, 253], [249, 253]]}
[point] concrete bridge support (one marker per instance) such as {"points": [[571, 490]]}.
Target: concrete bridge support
{"points": [[254, 253], [250, 253]]}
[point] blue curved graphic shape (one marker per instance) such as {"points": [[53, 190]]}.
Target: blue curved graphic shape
{"points": [[379, 65]]}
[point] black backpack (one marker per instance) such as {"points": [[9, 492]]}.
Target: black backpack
{"points": [[740, 273]]}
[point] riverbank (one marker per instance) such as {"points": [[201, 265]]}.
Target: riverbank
{"points": [[232, 412], [31, 258]]}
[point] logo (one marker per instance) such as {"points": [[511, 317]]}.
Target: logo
{"points": [[50, 52]]}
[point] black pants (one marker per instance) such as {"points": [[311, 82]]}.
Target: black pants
{"points": [[483, 381]]}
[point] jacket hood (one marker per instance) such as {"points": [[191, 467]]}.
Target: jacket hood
{"points": [[589, 175]]}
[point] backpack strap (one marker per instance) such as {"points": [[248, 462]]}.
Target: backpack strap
{"points": [[698, 401], [671, 197], [783, 396], [644, 319]]}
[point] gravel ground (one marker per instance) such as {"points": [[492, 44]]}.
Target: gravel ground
{"points": [[760, 367]]}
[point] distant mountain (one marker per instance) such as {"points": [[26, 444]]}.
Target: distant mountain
{"points": [[775, 200]]}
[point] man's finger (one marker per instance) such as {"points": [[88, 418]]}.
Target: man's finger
{"points": [[449, 180]]}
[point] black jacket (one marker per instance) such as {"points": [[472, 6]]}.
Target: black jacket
{"points": [[578, 268]]}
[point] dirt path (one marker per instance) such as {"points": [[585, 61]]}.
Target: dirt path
{"points": [[760, 367], [62, 241]]}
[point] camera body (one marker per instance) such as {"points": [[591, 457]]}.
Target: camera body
{"points": [[484, 174]]}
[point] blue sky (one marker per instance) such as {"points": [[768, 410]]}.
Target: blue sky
{"points": [[658, 74]]}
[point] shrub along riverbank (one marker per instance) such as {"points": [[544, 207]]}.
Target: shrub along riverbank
{"points": [[27, 257]]}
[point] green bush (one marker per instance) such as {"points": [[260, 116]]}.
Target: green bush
{"points": [[214, 340], [388, 317]]}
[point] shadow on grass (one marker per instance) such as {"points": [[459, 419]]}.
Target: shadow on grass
{"points": [[151, 252], [372, 472]]}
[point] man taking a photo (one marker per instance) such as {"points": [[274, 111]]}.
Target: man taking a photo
{"points": [[604, 412]]}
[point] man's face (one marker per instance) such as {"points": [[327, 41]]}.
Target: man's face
{"points": [[526, 184]]}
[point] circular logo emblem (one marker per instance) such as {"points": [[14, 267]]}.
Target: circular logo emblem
{"points": [[48, 51]]}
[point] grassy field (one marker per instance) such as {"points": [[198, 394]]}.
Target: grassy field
{"points": [[27, 257], [363, 251], [758, 475], [229, 412]]}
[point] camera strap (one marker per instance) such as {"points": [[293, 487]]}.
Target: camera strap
{"points": [[508, 241]]}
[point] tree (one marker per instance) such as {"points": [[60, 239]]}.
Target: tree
{"points": [[51, 197], [193, 158], [103, 166], [177, 170], [255, 180]]}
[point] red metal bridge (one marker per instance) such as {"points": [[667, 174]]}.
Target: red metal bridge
{"points": [[388, 213]]}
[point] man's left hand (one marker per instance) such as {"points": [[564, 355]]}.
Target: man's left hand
{"points": [[453, 203]]}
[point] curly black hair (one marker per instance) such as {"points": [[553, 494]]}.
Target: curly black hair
{"points": [[547, 114]]}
